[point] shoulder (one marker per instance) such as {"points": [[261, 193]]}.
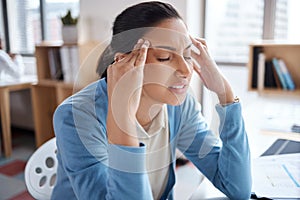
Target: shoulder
{"points": [[87, 100], [5, 58], [91, 93]]}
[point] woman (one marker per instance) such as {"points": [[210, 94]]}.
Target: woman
{"points": [[11, 65], [117, 137]]}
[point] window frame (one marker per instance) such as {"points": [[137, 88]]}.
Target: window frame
{"points": [[6, 26]]}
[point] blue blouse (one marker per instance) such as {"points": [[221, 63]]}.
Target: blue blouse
{"points": [[91, 168]]}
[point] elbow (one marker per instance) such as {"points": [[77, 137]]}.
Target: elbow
{"points": [[241, 192]]}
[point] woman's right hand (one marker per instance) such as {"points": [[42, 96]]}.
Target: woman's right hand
{"points": [[124, 88]]}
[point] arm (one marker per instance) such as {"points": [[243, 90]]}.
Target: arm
{"points": [[9, 66], [233, 158], [124, 88], [225, 163], [94, 168]]}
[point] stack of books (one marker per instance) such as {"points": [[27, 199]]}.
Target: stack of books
{"points": [[270, 73], [64, 63]]}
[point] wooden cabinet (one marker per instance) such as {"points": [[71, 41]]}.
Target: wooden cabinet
{"points": [[290, 53], [48, 93]]}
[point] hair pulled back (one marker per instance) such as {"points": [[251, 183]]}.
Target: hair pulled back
{"points": [[130, 25]]}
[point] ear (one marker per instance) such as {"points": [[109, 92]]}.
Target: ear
{"points": [[119, 56]]}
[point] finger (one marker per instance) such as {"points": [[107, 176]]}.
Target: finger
{"points": [[199, 72], [124, 58], [197, 44], [202, 41], [141, 57], [135, 51], [195, 55], [203, 51], [196, 67], [138, 45], [121, 58]]}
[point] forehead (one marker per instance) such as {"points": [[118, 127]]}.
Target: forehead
{"points": [[168, 37]]}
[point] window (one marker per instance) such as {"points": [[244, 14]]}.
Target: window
{"points": [[287, 20], [31, 21], [23, 25], [230, 26], [54, 10], [1, 24]]}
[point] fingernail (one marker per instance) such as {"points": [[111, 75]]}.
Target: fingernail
{"points": [[146, 43], [140, 41]]}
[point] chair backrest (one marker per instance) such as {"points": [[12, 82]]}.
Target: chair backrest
{"points": [[40, 171]]}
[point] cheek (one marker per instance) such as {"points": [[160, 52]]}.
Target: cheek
{"points": [[158, 73]]}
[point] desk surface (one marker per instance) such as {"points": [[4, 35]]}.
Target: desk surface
{"points": [[258, 143], [7, 86]]}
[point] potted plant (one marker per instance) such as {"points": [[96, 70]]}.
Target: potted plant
{"points": [[69, 28]]}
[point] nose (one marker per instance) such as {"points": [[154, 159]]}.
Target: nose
{"points": [[183, 68]]}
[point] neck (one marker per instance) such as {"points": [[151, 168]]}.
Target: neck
{"points": [[148, 110]]}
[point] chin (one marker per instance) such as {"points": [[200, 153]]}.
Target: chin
{"points": [[175, 100]]}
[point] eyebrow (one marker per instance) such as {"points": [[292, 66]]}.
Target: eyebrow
{"points": [[170, 48]]}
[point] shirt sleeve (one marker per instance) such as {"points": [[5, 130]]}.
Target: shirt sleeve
{"points": [[94, 168], [223, 159]]}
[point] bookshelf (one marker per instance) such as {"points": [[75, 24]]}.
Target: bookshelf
{"points": [[48, 92], [288, 52]]}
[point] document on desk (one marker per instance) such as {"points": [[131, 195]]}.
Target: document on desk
{"points": [[277, 176]]}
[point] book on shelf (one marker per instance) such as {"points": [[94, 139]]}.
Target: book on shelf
{"points": [[70, 62], [261, 71], [256, 52], [55, 64], [278, 83], [286, 75], [266, 75], [271, 79]]}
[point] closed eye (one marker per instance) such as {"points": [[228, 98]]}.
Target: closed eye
{"points": [[163, 59]]}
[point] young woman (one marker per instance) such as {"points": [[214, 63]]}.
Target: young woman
{"points": [[117, 137], [11, 65]]}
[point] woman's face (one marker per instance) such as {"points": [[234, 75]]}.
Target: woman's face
{"points": [[169, 65]]}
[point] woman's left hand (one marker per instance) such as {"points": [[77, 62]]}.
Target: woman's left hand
{"points": [[208, 71]]}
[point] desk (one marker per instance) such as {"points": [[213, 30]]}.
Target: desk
{"points": [[5, 88]]}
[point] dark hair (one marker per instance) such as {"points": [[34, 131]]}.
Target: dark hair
{"points": [[146, 14]]}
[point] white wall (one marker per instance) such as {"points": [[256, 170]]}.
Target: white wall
{"points": [[96, 17]]}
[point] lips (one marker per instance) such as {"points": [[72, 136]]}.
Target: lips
{"points": [[179, 88]]}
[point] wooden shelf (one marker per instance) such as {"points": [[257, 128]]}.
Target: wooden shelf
{"points": [[287, 51], [280, 93], [47, 93]]}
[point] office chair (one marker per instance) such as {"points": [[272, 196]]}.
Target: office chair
{"points": [[40, 171]]}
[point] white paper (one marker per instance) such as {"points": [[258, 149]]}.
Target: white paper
{"points": [[277, 176]]}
